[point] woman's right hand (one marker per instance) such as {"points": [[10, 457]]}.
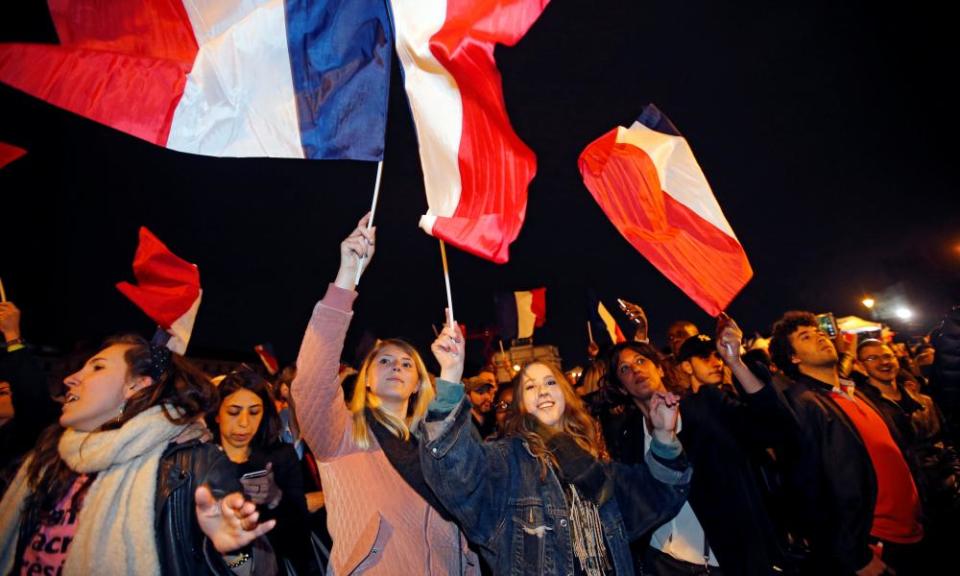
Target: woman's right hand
{"points": [[450, 351], [359, 244]]}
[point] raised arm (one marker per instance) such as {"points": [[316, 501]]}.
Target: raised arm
{"points": [[323, 417]]}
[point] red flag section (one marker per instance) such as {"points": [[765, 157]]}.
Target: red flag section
{"points": [[167, 289], [648, 183], [9, 153], [123, 64]]}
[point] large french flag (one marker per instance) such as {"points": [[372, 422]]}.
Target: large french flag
{"points": [[476, 169], [291, 79], [649, 184]]}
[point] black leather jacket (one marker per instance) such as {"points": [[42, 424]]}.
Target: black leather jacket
{"points": [[182, 547]]}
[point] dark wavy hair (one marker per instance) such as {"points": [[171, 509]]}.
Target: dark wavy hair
{"points": [[781, 350], [183, 390], [245, 378]]}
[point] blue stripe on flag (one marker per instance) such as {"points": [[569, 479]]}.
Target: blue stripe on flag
{"points": [[340, 53], [654, 119]]}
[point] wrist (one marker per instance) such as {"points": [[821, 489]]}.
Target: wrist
{"points": [[346, 278], [453, 375], [665, 436]]}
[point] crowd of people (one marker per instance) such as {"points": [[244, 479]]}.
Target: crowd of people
{"points": [[805, 455]]}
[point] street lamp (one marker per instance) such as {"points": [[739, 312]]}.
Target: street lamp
{"points": [[868, 302], [903, 313]]}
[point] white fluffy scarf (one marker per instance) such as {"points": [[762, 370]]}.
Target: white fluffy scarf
{"points": [[115, 528]]}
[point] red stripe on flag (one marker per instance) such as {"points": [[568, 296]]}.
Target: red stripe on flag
{"points": [[148, 28], [9, 153], [495, 165], [707, 264], [539, 305]]}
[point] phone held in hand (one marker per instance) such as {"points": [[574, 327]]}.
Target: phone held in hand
{"points": [[828, 324], [255, 474]]}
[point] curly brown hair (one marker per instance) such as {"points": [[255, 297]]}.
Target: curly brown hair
{"points": [[575, 421]]}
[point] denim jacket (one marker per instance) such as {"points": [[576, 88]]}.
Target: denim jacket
{"points": [[520, 522]]}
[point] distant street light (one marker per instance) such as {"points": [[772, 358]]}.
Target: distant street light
{"points": [[904, 313], [869, 302]]}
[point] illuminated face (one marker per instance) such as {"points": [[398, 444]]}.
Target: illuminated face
{"points": [[639, 376], [96, 392], [394, 374], [6, 403], [812, 347], [881, 363], [503, 405], [708, 370], [542, 395], [239, 418], [482, 398]]}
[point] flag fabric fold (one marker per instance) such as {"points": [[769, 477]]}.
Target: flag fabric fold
{"points": [[476, 169], [650, 186], [167, 289], [292, 79], [10, 153], [269, 359], [603, 323]]}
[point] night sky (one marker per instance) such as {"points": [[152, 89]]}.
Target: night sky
{"points": [[824, 130]]}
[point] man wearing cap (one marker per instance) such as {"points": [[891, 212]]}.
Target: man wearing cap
{"points": [[481, 389]]}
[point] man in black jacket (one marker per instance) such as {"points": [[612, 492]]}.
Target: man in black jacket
{"points": [[855, 491]]}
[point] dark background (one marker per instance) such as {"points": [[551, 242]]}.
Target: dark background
{"points": [[825, 130]]}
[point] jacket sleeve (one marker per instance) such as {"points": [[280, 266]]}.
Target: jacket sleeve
{"points": [[650, 493], [322, 414], [760, 420], [470, 477]]}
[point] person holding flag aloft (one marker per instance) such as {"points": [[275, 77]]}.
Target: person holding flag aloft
{"points": [[383, 517]]}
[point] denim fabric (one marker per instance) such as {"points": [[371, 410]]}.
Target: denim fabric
{"points": [[521, 522]]}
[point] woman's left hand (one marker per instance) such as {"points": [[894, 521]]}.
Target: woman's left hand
{"points": [[263, 489], [449, 349], [231, 522], [664, 410]]}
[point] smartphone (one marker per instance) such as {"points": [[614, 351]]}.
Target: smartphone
{"points": [[828, 324], [255, 474]]}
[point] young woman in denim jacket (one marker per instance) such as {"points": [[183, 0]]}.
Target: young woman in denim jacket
{"points": [[541, 501]]}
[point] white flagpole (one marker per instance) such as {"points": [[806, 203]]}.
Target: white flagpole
{"points": [[3, 293], [373, 210], [589, 331], [446, 279]]}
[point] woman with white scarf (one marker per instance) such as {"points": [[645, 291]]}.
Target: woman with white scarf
{"points": [[120, 485]]}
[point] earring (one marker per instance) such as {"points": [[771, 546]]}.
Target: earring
{"points": [[120, 415]]}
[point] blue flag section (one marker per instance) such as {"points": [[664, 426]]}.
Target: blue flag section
{"points": [[340, 53]]}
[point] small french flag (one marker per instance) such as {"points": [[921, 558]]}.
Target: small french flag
{"points": [[269, 359], [167, 289], [518, 313]]}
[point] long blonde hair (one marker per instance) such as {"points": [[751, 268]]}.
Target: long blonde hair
{"points": [[363, 398], [575, 420]]}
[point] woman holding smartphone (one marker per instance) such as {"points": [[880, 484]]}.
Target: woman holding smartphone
{"points": [[542, 501], [247, 427], [383, 517]]}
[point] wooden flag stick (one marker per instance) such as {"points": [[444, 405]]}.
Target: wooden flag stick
{"points": [[589, 332], [3, 293], [446, 279], [373, 210]]}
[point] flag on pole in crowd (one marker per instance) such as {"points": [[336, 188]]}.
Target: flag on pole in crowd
{"points": [[9, 153], [610, 326], [602, 328], [291, 79], [476, 169], [167, 289], [649, 184], [518, 313], [269, 359]]}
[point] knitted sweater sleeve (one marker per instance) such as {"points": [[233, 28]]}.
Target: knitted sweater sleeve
{"points": [[322, 414]]}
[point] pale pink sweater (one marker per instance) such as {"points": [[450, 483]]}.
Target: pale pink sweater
{"points": [[378, 523]]}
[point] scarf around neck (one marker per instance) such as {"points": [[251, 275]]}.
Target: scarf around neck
{"points": [[115, 527]]}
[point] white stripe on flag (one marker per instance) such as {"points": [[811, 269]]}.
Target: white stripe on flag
{"points": [[608, 321], [239, 98], [682, 178], [526, 319], [435, 103]]}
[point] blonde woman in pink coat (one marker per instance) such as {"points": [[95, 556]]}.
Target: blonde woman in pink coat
{"points": [[382, 516]]}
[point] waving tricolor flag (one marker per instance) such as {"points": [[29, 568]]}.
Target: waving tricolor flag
{"points": [[167, 289], [476, 169], [650, 186], [294, 78]]}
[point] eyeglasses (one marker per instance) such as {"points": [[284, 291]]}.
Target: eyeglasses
{"points": [[502, 406], [874, 357]]}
